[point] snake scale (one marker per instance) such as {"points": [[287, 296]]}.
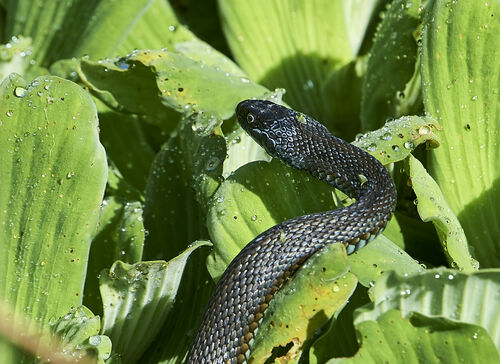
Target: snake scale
{"points": [[264, 265]]}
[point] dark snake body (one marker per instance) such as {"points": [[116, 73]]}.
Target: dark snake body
{"points": [[260, 269]]}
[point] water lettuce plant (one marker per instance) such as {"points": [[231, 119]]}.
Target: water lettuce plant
{"points": [[127, 186]]}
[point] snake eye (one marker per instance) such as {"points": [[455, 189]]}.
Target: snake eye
{"points": [[250, 118]]}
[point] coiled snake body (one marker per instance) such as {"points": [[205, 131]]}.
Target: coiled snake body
{"points": [[260, 269]]}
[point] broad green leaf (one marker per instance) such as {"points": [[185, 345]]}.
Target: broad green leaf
{"points": [[254, 198], [159, 28], [298, 45], [391, 65], [380, 256], [126, 145], [393, 339], [79, 330], [177, 333], [339, 338], [67, 28], [14, 56], [319, 289], [53, 176], [24, 341], [242, 149], [137, 300], [120, 237], [433, 207], [468, 298], [397, 138], [173, 210], [127, 90], [461, 89], [182, 83]]}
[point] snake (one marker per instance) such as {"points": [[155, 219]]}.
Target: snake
{"points": [[264, 265]]}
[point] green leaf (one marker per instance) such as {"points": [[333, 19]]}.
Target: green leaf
{"points": [[23, 341], [339, 338], [397, 138], [380, 256], [66, 28], [318, 290], [53, 176], [14, 56], [127, 91], [79, 330], [391, 65], [184, 176], [468, 298], [137, 300], [433, 207], [177, 333], [126, 145], [461, 89], [392, 339], [254, 198], [120, 237], [298, 45], [183, 84]]}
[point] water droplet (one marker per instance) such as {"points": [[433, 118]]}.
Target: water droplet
{"points": [[395, 148], [95, 340], [308, 85], [424, 130], [372, 147], [387, 136], [253, 218], [408, 145], [474, 98], [20, 91], [9, 113], [405, 292]]}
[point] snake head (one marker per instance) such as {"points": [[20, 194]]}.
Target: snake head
{"points": [[262, 120]]}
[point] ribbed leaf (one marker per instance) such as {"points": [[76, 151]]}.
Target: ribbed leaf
{"points": [[67, 28], [393, 339], [120, 237], [298, 45], [53, 175], [181, 83], [461, 81], [15, 56], [79, 330], [391, 65], [460, 297], [432, 207], [137, 300]]}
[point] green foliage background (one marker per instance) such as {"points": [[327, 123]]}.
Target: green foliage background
{"points": [[127, 186]]}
